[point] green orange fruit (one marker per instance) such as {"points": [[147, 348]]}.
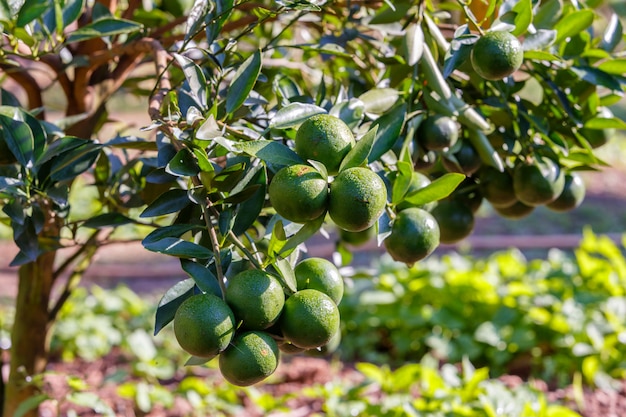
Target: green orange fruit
{"points": [[310, 319], [299, 193], [496, 55], [326, 139], [438, 132], [320, 274], [497, 187], [414, 235], [538, 182], [455, 220], [251, 357], [256, 298], [572, 196], [204, 325], [357, 199]]}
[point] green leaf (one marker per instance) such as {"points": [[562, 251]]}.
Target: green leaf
{"points": [[438, 189], [389, 127], [613, 34], [108, 26], [249, 210], [271, 152], [459, 52], [360, 152], [351, 112], [171, 300], [573, 24], [243, 82], [548, 14], [196, 80], [202, 276], [294, 114], [31, 10], [179, 248], [71, 11], [18, 137], [541, 39], [287, 275], [30, 404], [74, 162], [107, 220], [379, 100], [174, 230], [615, 66], [401, 182], [605, 123], [414, 44], [196, 360], [183, 164], [520, 16], [170, 201], [299, 5], [306, 231], [597, 77]]}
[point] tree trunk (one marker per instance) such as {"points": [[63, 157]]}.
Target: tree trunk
{"points": [[29, 338]]}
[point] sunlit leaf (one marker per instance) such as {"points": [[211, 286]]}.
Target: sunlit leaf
{"points": [[243, 82], [171, 300]]}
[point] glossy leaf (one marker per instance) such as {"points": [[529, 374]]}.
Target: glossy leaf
{"points": [[170, 201], [169, 303], [178, 247], [615, 66], [573, 24], [359, 154], [31, 10], [74, 162], [18, 137], [306, 231], [108, 26], [272, 152], [174, 230], [379, 100], [249, 210], [438, 189], [414, 44], [202, 276], [183, 164], [71, 11], [388, 131], [195, 78], [294, 114], [286, 274], [243, 82], [613, 34], [107, 220]]}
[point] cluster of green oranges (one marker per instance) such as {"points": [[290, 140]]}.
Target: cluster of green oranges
{"points": [[354, 199], [255, 320]]}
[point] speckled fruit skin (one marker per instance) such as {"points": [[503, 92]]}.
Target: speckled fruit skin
{"points": [[250, 358], [322, 275], [299, 193], [326, 139], [357, 199], [414, 236], [496, 55]]}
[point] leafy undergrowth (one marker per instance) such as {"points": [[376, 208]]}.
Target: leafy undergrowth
{"points": [[443, 338]]}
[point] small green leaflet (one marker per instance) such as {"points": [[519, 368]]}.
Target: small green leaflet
{"points": [[436, 190], [272, 152], [359, 154]]}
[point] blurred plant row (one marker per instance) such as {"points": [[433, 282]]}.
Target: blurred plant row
{"points": [[558, 320]]}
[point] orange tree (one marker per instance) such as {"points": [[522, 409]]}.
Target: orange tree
{"points": [[522, 89]]}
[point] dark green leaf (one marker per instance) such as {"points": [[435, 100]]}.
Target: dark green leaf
{"points": [[272, 152], [108, 26], [573, 24], [59, 147], [389, 127], [71, 11], [243, 195], [18, 137], [249, 210], [294, 114], [183, 164], [107, 220], [74, 162], [31, 10], [171, 300], [202, 276], [243, 82], [132, 142], [598, 77], [170, 201], [460, 50], [195, 78], [174, 230], [178, 247], [436, 190], [360, 152]]}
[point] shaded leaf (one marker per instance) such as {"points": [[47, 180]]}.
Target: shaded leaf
{"points": [[74, 162], [171, 300], [178, 247], [174, 230], [195, 78], [18, 137], [183, 164], [170, 201], [613, 34], [243, 82], [202, 276], [108, 26], [389, 127], [107, 220]]}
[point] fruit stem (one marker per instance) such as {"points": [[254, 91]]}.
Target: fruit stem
{"points": [[237, 242], [216, 252]]}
